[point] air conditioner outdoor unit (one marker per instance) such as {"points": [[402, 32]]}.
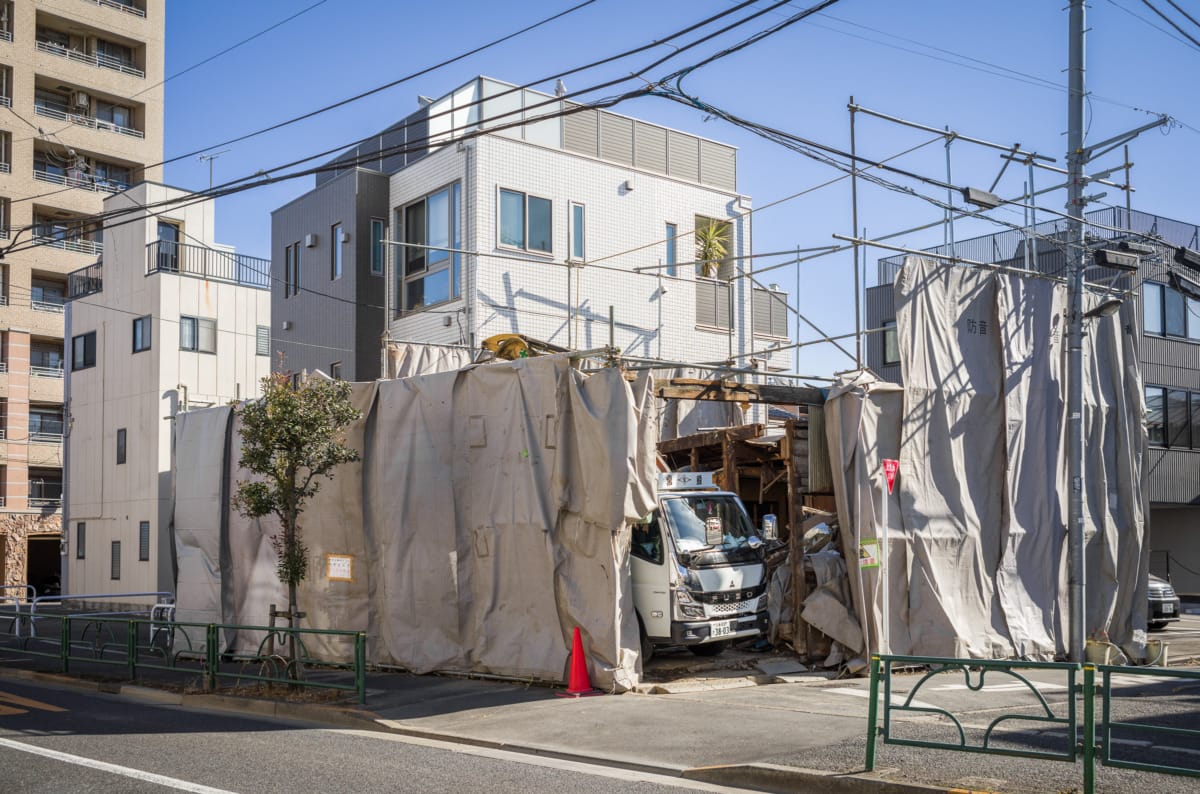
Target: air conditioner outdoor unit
{"points": [[310, 241], [80, 99]]}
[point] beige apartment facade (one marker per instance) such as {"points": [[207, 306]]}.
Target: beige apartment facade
{"points": [[81, 116]]}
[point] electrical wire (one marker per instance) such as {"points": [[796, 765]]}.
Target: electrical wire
{"points": [[1142, 19], [230, 48], [1172, 23], [471, 129]]}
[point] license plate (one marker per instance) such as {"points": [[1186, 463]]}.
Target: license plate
{"points": [[722, 629], [1168, 609]]}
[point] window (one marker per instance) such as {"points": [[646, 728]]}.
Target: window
{"points": [[141, 334], [377, 247], [672, 250], [168, 246], [714, 239], [577, 229], [1166, 312], [262, 340], [525, 221], [81, 541], [335, 252], [83, 351], [116, 559], [117, 115], [1172, 417], [891, 347], [770, 309], [647, 542], [143, 541], [335, 370], [120, 446], [198, 334], [431, 226], [297, 270], [289, 275]]}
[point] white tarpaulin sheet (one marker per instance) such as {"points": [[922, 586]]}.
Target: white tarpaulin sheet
{"points": [[977, 550], [405, 359], [488, 518]]}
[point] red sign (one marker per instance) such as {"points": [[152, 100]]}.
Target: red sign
{"points": [[890, 469]]}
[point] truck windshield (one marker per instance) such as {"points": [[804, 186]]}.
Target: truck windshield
{"points": [[692, 518]]}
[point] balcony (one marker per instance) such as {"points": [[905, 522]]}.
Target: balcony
{"points": [[46, 372], [45, 438], [93, 59], [198, 261], [79, 180], [128, 8], [85, 281], [61, 113], [45, 502], [50, 305]]}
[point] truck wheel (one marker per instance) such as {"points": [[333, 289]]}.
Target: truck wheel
{"points": [[708, 648], [647, 647]]}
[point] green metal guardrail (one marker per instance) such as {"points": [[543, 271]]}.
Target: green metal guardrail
{"points": [[1085, 746], [97, 639]]}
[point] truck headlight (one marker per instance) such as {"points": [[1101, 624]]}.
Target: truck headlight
{"points": [[687, 606]]}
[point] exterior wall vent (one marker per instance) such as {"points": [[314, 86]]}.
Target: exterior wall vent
{"points": [[310, 241]]}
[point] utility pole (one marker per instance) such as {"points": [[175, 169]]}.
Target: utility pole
{"points": [[1076, 251]]}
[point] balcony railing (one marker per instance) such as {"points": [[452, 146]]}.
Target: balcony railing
{"points": [[81, 181], [61, 113], [128, 8], [5, 101], [5, 35], [85, 281], [54, 305], [79, 245], [3, 300], [46, 372], [45, 438], [199, 261], [46, 502], [3, 370], [93, 59]]}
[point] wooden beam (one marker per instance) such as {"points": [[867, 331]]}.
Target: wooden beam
{"points": [[709, 438], [732, 391]]}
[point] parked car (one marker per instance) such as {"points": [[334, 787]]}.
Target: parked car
{"points": [[1164, 604]]}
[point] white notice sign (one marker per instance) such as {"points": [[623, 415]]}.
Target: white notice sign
{"points": [[339, 567]]}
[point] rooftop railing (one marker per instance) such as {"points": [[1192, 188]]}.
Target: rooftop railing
{"points": [[92, 59], [200, 261], [85, 281]]}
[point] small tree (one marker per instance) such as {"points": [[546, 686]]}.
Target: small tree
{"points": [[712, 245], [292, 438]]}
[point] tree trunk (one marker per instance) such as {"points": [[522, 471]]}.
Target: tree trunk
{"points": [[294, 622]]}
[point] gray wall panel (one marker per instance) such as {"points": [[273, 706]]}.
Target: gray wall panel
{"points": [[718, 165], [650, 147], [1174, 476], [616, 138]]}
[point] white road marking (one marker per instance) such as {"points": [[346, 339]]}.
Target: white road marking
{"points": [[599, 770], [897, 700], [91, 763], [1013, 687]]}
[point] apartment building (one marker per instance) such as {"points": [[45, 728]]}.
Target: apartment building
{"points": [[81, 119], [1169, 345], [169, 321], [572, 226]]}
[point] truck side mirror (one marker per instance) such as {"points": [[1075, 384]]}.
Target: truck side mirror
{"points": [[770, 527]]}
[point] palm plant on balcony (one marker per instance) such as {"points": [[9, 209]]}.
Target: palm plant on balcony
{"points": [[712, 246]]}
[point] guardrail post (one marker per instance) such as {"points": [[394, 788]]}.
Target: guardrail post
{"points": [[211, 657], [64, 642], [872, 714], [1089, 729], [131, 650], [360, 666]]}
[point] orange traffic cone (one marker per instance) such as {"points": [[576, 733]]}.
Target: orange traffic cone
{"points": [[580, 684]]}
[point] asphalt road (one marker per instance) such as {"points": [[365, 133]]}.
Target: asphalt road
{"points": [[55, 740]]}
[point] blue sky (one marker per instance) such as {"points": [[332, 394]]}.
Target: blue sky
{"points": [[988, 70]]}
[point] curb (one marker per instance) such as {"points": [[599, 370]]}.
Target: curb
{"points": [[777, 777]]}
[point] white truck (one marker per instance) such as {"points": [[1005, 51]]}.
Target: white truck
{"points": [[698, 568]]}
